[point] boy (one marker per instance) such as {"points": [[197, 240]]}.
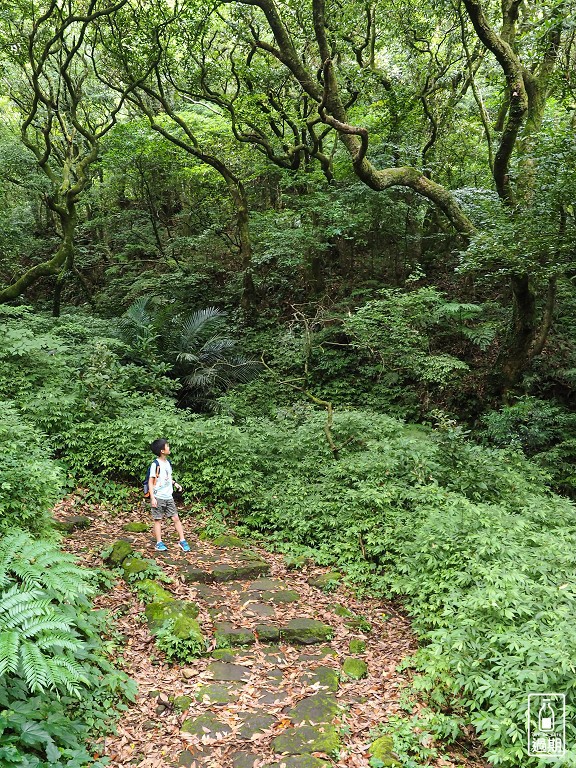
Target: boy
{"points": [[161, 490]]}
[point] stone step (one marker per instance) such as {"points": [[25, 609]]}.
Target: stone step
{"points": [[297, 632], [219, 573]]}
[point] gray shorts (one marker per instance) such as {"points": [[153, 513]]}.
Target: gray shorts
{"points": [[165, 508]]}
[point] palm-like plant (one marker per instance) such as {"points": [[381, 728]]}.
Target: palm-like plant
{"points": [[203, 357], [137, 330], [207, 361]]}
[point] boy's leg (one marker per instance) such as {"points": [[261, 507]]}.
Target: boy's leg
{"points": [[179, 529], [157, 513]]}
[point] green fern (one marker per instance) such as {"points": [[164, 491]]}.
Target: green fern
{"points": [[40, 636]]}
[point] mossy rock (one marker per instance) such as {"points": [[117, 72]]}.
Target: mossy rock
{"points": [[319, 708], [326, 581], [133, 565], [136, 527], [152, 592], [206, 724], [218, 693], [72, 523], [306, 632], [223, 654], [119, 552], [267, 633], [226, 635], [327, 677], [182, 703], [306, 739], [355, 668], [295, 562], [299, 761], [341, 610], [157, 613], [356, 646], [382, 749], [227, 540]]}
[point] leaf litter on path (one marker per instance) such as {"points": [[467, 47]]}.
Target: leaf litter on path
{"points": [[148, 733]]}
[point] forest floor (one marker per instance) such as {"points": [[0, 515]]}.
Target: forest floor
{"points": [[281, 704]]}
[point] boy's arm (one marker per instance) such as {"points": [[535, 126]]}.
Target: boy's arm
{"points": [[151, 485]]}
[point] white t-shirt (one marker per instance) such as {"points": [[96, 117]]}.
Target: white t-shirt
{"points": [[163, 487]]}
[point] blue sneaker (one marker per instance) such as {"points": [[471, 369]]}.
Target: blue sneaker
{"points": [[161, 547], [184, 546]]}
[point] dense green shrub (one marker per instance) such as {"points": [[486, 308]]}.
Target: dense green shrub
{"points": [[544, 430], [30, 482]]}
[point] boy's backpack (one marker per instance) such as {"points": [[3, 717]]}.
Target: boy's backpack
{"points": [[146, 483]]}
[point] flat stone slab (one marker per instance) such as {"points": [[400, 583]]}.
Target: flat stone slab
{"points": [[282, 596], [207, 593], [272, 698], [221, 612], [244, 570], [262, 610], [300, 761], [192, 575], [206, 725], [318, 708], [306, 739], [73, 523], [267, 633], [275, 674], [224, 671], [327, 677], [261, 584], [217, 693], [244, 759], [226, 635], [306, 632], [254, 722]]}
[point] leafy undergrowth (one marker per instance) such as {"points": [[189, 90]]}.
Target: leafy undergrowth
{"points": [[58, 687]]}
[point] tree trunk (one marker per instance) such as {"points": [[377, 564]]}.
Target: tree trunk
{"points": [[63, 255], [238, 193]]}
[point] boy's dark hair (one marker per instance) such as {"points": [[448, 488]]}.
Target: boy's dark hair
{"points": [[158, 445]]}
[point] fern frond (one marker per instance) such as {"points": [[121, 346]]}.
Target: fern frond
{"points": [[56, 641], [35, 668], [9, 647], [15, 597], [68, 674], [44, 624]]}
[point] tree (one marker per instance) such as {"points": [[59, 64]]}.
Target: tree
{"points": [[154, 90], [314, 46], [48, 74]]}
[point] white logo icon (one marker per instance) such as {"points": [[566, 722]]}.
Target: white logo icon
{"points": [[546, 724]]}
